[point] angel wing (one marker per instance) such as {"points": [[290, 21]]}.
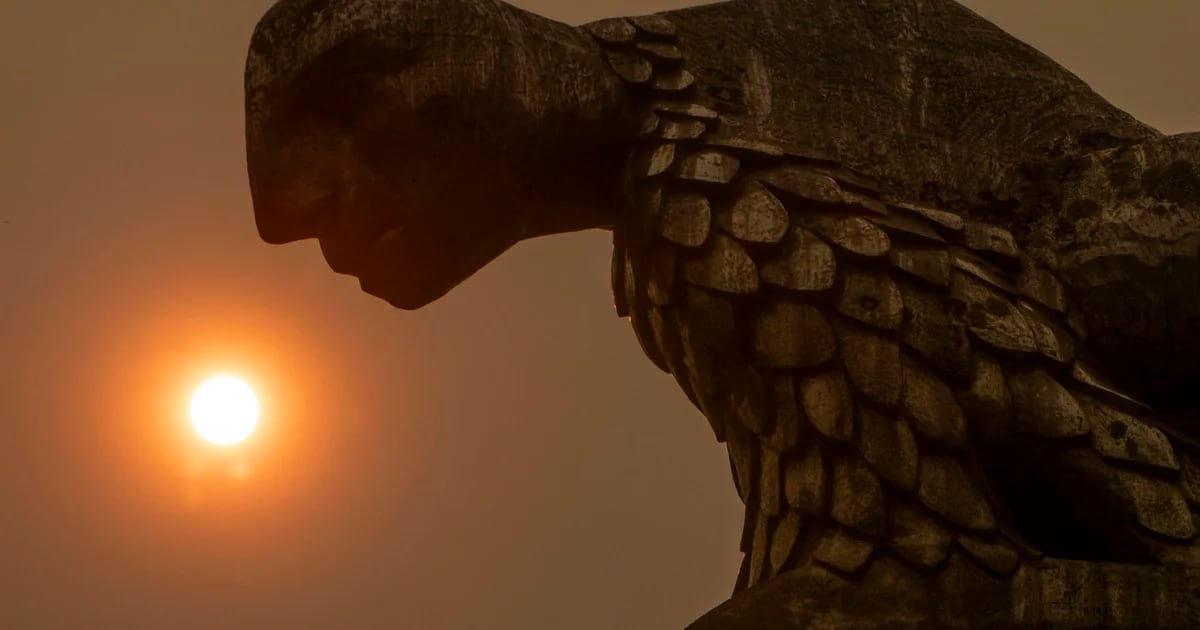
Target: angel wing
{"points": [[891, 380]]}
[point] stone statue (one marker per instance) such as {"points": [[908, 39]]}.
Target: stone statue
{"points": [[939, 299]]}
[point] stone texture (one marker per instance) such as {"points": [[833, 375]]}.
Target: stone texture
{"points": [[935, 330], [945, 488], [1120, 436], [685, 219], [1040, 285], [996, 555], [931, 407], [1159, 505], [853, 234], [991, 316], [805, 264], [757, 216], [1051, 594], [843, 551], [725, 267], [872, 362], [786, 434], [857, 497], [906, 227], [708, 165], [828, 404], [990, 239], [676, 129], [803, 183], [788, 335], [783, 540], [987, 401], [1044, 407], [916, 536], [928, 264], [889, 447], [769, 486], [872, 298], [805, 482]]}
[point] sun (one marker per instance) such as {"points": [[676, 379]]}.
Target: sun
{"points": [[224, 410]]}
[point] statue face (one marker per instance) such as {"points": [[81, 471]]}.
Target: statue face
{"points": [[422, 146]]}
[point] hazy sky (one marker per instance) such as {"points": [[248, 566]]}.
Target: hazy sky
{"points": [[505, 458]]}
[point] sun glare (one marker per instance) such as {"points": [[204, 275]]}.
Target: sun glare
{"points": [[224, 410]]}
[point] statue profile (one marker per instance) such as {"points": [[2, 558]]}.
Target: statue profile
{"points": [[939, 299]]}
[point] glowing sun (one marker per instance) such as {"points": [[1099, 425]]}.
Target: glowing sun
{"points": [[224, 410]]}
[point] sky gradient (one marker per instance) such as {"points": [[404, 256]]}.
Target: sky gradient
{"points": [[504, 458]]}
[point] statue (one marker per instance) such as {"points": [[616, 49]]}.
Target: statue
{"points": [[938, 298]]}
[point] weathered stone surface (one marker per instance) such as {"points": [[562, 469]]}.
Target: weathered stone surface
{"points": [[757, 216], [1042, 286], [711, 319], [889, 447], [806, 264], [1120, 436], [655, 25], [968, 262], [769, 486], [842, 550], [903, 226], [1052, 339], [1189, 466], [686, 219], [746, 394], [931, 408], [987, 401], [945, 488], [805, 482], [758, 549], [1051, 594], [990, 239], [858, 497], [996, 555], [630, 66], [1159, 505], [991, 316], [930, 265], [614, 30], [934, 329], [1044, 407], [873, 364], [786, 434], [745, 145], [661, 51], [744, 459], [708, 165], [871, 298], [783, 540], [828, 404], [673, 82], [853, 234], [788, 335], [685, 129], [948, 220], [660, 275], [1088, 375], [725, 267], [916, 536], [803, 183], [685, 109], [656, 159]]}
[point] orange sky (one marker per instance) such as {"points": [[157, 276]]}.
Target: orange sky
{"points": [[505, 458]]}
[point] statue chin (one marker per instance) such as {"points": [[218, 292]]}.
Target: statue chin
{"points": [[412, 268]]}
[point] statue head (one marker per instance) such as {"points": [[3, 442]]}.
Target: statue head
{"points": [[419, 139]]}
